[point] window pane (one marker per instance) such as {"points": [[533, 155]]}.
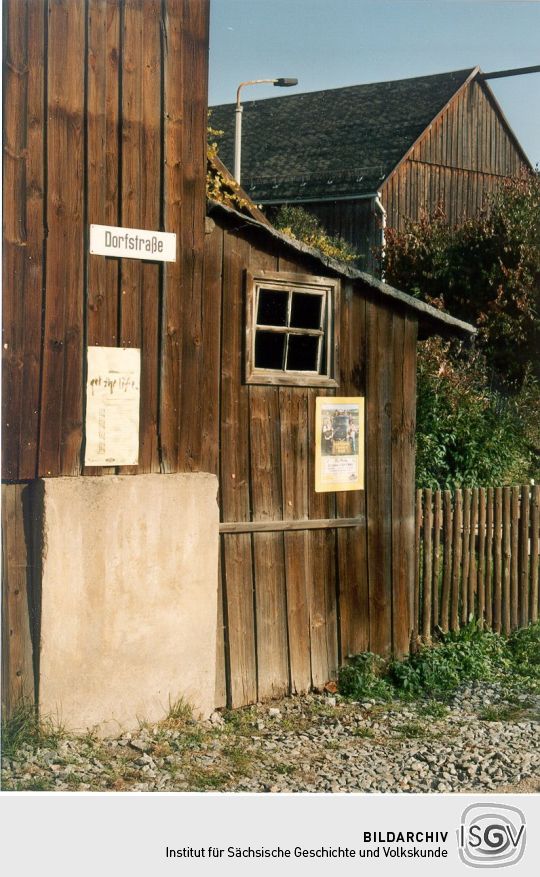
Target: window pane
{"points": [[269, 347], [306, 311], [272, 309], [302, 353]]}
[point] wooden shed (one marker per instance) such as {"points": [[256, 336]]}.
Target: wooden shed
{"points": [[420, 143], [111, 586], [310, 578]]}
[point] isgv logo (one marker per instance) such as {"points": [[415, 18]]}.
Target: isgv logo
{"points": [[491, 835]]}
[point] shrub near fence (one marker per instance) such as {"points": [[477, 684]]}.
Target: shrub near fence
{"points": [[476, 558]]}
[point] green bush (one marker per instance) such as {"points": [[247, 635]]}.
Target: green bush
{"points": [[363, 678], [436, 672]]}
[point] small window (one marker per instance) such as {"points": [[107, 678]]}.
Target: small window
{"points": [[291, 326]]}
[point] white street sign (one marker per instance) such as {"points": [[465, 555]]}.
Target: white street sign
{"points": [[132, 243]]}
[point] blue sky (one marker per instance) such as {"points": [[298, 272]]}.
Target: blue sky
{"points": [[331, 43]]}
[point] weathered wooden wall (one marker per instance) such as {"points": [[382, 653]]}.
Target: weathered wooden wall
{"points": [[296, 601], [462, 157], [105, 113]]}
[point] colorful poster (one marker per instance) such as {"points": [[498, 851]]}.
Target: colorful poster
{"points": [[339, 443], [112, 406]]}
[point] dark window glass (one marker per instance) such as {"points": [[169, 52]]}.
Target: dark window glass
{"points": [[272, 309], [306, 311], [302, 353], [269, 347]]}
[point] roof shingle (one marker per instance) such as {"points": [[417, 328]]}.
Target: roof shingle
{"points": [[341, 141]]}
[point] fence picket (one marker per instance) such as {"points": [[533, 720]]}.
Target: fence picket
{"points": [[456, 558], [507, 555], [427, 560], [477, 558], [481, 555], [447, 559], [535, 534], [437, 513]]}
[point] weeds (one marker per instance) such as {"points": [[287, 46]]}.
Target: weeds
{"points": [[436, 672], [503, 713], [412, 730], [25, 729]]}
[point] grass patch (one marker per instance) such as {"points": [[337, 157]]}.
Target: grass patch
{"points": [[25, 728], [363, 732], [284, 769], [434, 709], [412, 730], [503, 713], [436, 672]]}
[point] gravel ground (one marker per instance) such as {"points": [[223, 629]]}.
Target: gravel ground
{"points": [[316, 743]]}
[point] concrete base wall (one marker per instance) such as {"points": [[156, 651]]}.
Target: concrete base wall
{"points": [[129, 580]]}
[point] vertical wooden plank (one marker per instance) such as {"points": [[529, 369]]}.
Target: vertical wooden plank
{"points": [[170, 416], [351, 544], [61, 401], [211, 357], [473, 566], [535, 535], [102, 170], [23, 187], [235, 480], [141, 208], [427, 563], [481, 555], [466, 557], [506, 549], [418, 517], [294, 447], [524, 558], [103, 164], [240, 632], [447, 559], [403, 462], [221, 674], [17, 661], [489, 558], [195, 114], [268, 550], [15, 108], [437, 519], [497, 561], [379, 474], [323, 552], [514, 562], [456, 558]]}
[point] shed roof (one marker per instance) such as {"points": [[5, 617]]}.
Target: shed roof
{"points": [[431, 321], [341, 141]]}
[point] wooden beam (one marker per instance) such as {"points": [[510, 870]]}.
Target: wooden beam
{"points": [[282, 526]]}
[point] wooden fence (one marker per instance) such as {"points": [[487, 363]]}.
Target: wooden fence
{"points": [[476, 558]]}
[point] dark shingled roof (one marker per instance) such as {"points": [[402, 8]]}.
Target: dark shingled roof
{"points": [[342, 141]]}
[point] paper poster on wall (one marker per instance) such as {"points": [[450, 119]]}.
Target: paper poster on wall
{"points": [[339, 443], [112, 406]]}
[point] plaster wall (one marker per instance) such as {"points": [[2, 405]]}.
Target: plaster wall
{"points": [[129, 575]]}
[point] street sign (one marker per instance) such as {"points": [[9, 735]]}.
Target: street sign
{"points": [[132, 243]]}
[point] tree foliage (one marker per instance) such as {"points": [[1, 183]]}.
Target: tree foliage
{"points": [[469, 433], [486, 271], [478, 409]]}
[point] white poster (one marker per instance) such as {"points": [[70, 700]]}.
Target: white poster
{"points": [[112, 406]]}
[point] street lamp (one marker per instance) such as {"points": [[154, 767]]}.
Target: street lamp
{"points": [[280, 83]]}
